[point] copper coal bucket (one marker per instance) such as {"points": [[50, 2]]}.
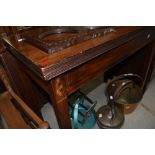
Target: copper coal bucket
{"points": [[127, 89], [121, 91]]}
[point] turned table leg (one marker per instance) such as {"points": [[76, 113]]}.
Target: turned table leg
{"points": [[59, 100]]}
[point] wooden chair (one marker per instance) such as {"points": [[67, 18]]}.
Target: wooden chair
{"points": [[15, 111]]}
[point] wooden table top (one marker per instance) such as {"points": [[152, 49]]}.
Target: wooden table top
{"points": [[48, 66]]}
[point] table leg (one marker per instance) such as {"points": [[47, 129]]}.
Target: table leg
{"points": [[59, 100]]}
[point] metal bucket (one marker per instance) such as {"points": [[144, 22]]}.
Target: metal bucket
{"points": [[125, 89], [121, 91]]}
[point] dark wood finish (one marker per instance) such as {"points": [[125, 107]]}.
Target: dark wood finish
{"points": [[103, 63], [63, 72], [53, 39], [56, 89], [58, 96], [48, 66], [14, 31], [22, 85], [1, 46], [5, 30], [12, 116], [140, 63]]}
